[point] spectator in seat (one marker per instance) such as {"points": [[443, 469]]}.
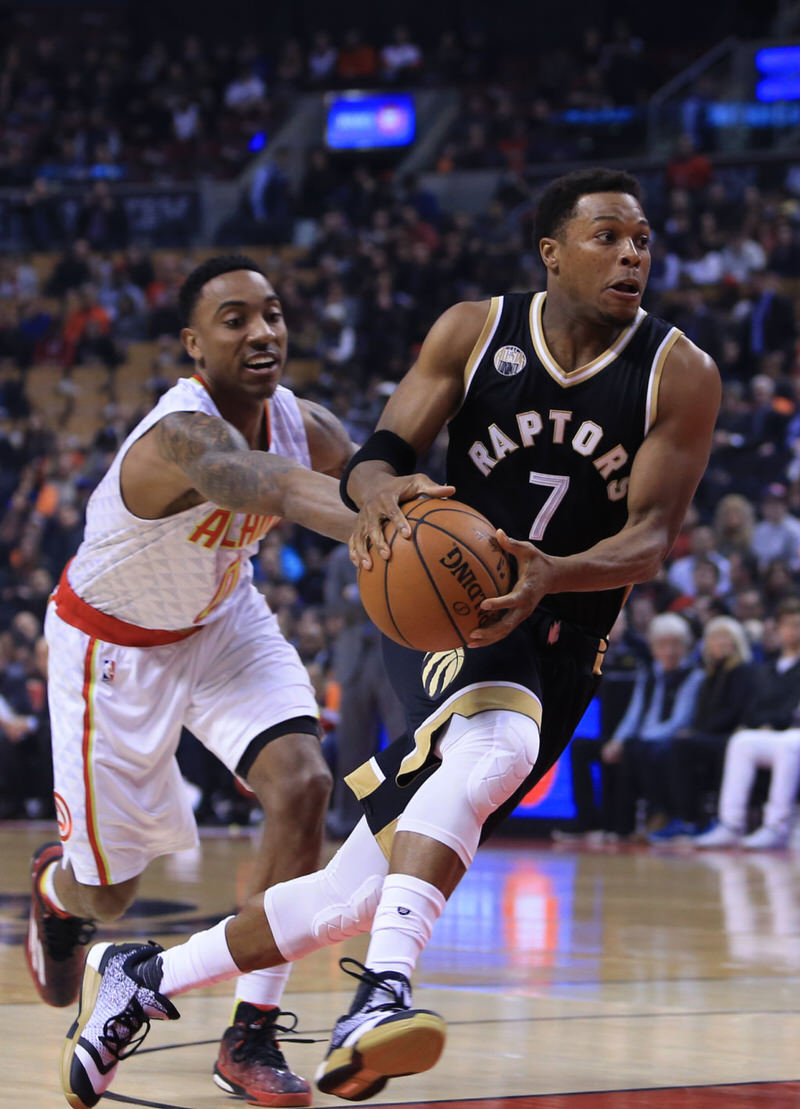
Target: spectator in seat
{"points": [[40, 216], [358, 60], [321, 59], [697, 752], [102, 220], [245, 91], [401, 58], [701, 546], [770, 738], [777, 535], [687, 168], [663, 703], [771, 324], [742, 256], [734, 520], [784, 257]]}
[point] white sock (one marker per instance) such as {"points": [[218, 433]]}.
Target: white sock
{"points": [[47, 884], [204, 959], [263, 987], [403, 924]]}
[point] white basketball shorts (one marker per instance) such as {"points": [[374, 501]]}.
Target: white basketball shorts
{"points": [[116, 716]]}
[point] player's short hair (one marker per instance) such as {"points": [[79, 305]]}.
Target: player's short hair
{"points": [[212, 267], [557, 203]]}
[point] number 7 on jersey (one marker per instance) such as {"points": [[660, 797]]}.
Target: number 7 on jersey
{"points": [[558, 483]]}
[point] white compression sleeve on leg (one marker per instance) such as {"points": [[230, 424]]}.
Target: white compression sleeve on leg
{"points": [[204, 959], [403, 924], [484, 759], [339, 901]]}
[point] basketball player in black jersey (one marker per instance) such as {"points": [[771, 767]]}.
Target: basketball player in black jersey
{"points": [[581, 426]]}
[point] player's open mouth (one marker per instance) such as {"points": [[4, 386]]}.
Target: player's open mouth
{"points": [[626, 288], [262, 364]]}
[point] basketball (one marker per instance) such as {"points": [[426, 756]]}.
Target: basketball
{"points": [[427, 596]]}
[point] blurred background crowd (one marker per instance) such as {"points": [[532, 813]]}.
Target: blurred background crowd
{"points": [[127, 156]]}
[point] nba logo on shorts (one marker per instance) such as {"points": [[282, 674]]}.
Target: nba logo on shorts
{"points": [[509, 361], [109, 666]]}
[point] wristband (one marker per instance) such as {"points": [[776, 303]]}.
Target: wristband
{"points": [[382, 446]]}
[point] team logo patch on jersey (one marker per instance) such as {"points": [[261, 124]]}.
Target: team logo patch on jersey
{"points": [[109, 669], [440, 668], [509, 361]]}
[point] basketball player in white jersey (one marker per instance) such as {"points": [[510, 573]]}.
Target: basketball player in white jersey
{"points": [[156, 624], [640, 401]]}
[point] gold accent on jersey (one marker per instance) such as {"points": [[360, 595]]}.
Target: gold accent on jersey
{"points": [[480, 697], [365, 779], [440, 668], [580, 373], [654, 384], [487, 331], [385, 837]]}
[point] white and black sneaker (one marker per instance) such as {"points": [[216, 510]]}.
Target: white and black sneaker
{"points": [[119, 998], [381, 1037]]}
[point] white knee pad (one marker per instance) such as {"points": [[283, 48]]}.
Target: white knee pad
{"points": [[326, 907], [484, 759]]}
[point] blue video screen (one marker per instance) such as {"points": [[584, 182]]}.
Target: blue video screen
{"points": [[778, 69], [370, 121], [552, 798]]}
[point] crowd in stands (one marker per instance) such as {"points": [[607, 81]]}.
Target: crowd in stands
{"points": [[364, 262], [86, 97], [383, 261]]}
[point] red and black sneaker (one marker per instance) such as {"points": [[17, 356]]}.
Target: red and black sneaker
{"points": [[55, 948], [251, 1064]]}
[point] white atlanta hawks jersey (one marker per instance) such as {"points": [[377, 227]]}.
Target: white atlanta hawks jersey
{"points": [[185, 569]]}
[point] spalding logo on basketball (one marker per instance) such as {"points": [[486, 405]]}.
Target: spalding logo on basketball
{"points": [[427, 595]]}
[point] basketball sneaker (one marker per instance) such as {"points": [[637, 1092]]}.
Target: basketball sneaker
{"points": [[116, 1004], [56, 942], [251, 1064], [381, 1037]]}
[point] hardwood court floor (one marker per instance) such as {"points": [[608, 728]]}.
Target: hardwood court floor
{"points": [[570, 979]]}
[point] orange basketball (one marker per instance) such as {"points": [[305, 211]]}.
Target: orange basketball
{"points": [[427, 596]]}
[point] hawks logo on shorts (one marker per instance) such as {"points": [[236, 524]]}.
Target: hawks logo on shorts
{"points": [[440, 668], [63, 816]]}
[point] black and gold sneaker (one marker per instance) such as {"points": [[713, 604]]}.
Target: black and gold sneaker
{"points": [[381, 1037]]}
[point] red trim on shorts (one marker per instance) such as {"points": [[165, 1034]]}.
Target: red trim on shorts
{"points": [[75, 611], [86, 744]]}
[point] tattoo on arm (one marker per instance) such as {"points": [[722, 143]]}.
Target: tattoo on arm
{"points": [[216, 459]]}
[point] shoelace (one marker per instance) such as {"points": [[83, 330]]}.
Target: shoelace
{"points": [[376, 981], [117, 1031], [63, 934], [258, 1043]]}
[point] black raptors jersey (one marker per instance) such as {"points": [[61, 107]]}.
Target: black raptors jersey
{"points": [[546, 454]]}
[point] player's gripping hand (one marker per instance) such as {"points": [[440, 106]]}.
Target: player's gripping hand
{"points": [[534, 578], [383, 506]]}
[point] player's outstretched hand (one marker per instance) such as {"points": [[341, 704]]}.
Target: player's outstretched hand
{"points": [[534, 574], [383, 506]]}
